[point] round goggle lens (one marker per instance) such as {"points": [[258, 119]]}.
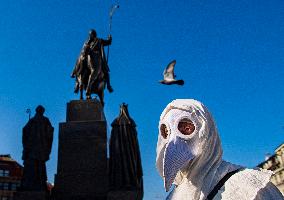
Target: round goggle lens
{"points": [[186, 126], [164, 131]]}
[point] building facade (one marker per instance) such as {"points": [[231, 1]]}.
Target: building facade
{"points": [[275, 163], [11, 174]]}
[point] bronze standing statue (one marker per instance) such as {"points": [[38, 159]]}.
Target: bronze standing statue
{"points": [[91, 70], [125, 168], [37, 141]]}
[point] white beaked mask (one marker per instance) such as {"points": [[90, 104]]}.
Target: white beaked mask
{"points": [[176, 149], [192, 160]]}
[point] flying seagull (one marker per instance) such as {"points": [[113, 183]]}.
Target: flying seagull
{"points": [[169, 76]]}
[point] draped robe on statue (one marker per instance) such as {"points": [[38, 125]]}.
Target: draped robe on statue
{"points": [[125, 169], [37, 141]]}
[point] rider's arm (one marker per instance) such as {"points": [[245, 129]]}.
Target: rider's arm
{"points": [[107, 42]]}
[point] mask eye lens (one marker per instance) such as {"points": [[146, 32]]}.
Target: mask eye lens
{"points": [[164, 131], [186, 126]]}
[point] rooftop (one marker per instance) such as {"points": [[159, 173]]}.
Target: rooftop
{"points": [[6, 157]]}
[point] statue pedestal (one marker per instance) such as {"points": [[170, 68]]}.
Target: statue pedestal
{"points": [[124, 195], [82, 153], [28, 195]]}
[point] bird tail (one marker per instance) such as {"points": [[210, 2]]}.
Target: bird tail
{"points": [[180, 82]]}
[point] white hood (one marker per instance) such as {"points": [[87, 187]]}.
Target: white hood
{"points": [[205, 166], [193, 163]]}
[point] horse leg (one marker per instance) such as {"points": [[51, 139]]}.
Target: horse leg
{"points": [[81, 92], [101, 96], [107, 77], [102, 100], [88, 97]]}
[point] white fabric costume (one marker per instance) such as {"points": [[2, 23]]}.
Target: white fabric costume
{"points": [[193, 163]]}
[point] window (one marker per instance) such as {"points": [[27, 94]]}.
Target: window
{"points": [[1, 187], [14, 186], [5, 173], [6, 186]]}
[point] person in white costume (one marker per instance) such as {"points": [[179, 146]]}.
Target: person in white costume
{"points": [[189, 156]]}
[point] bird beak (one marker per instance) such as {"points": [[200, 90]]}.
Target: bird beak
{"points": [[177, 155]]}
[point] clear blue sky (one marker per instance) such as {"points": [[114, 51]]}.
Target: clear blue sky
{"points": [[230, 54]]}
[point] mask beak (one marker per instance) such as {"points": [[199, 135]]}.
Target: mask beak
{"points": [[177, 155]]}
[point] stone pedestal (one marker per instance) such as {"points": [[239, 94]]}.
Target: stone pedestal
{"points": [[124, 195], [82, 153], [28, 195]]}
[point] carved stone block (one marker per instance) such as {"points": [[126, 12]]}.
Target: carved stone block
{"points": [[82, 153], [28, 195], [124, 195]]}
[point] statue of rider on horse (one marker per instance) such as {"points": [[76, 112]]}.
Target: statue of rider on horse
{"points": [[91, 70]]}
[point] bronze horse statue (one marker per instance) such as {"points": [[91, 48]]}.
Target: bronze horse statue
{"points": [[83, 79], [91, 70]]}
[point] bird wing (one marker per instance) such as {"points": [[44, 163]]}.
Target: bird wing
{"points": [[169, 71]]}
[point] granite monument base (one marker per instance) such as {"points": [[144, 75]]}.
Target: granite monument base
{"points": [[124, 195], [31, 195], [82, 153]]}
